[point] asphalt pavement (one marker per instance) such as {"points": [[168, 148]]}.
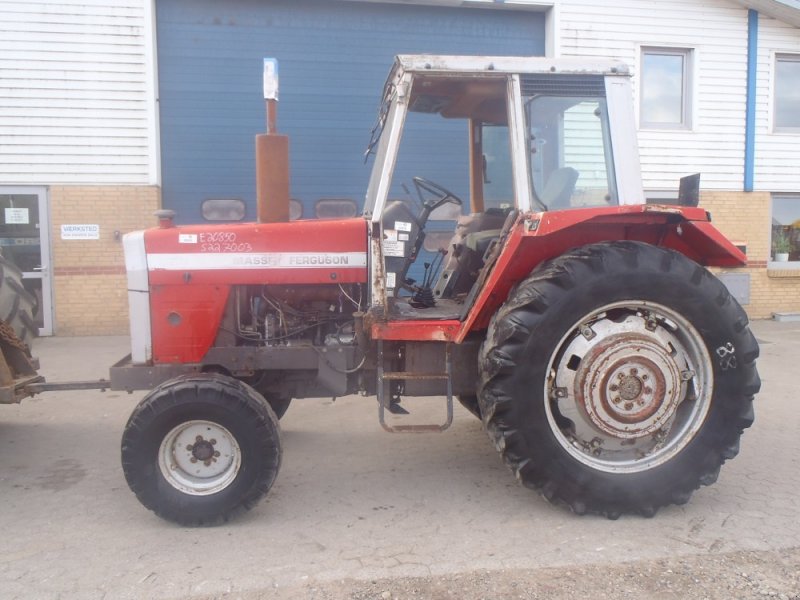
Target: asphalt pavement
{"points": [[352, 503]]}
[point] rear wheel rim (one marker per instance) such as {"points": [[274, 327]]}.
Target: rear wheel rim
{"points": [[628, 387], [199, 458]]}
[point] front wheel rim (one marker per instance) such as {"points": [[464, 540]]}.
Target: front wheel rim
{"points": [[199, 458], [628, 387]]}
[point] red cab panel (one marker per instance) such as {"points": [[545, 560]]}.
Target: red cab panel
{"points": [[537, 237]]}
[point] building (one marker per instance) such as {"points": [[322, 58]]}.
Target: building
{"points": [[112, 109]]}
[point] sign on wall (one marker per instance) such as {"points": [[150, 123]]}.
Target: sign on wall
{"points": [[80, 232]]}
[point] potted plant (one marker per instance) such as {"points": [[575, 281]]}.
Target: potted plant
{"points": [[781, 245]]}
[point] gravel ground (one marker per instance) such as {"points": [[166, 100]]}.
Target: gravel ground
{"points": [[739, 575], [360, 514]]}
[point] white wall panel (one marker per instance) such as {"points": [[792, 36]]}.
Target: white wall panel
{"points": [[717, 31], [76, 99], [777, 154]]}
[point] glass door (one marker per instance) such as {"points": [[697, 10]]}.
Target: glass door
{"points": [[24, 242]]}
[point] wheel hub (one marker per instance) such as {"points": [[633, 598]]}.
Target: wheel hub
{"points": [[628, 386], [199, 457], [203, 450]]}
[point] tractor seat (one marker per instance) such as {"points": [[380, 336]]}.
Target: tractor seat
{"points": [[558, 190], [479, 241]]}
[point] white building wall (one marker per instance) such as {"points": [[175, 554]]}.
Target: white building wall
{"points": [[77, 104], [717, 31], [777, 155]]}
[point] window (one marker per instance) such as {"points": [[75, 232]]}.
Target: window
{"points": [[787, 91], [785, 246], [665, 88], [223, 209], [498, 185], [571, 162], [335, 208]]}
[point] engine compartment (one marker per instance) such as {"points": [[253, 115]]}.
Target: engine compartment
{"points": [[286, 315]]}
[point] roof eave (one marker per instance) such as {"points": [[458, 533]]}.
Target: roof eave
{"points": [[787, 11]]}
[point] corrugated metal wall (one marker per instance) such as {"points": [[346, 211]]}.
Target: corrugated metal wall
{"points": [[334, 57], [73, 92]]}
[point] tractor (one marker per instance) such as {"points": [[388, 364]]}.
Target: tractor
{"points": [[612, 371]]}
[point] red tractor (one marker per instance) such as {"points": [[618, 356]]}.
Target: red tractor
{"points": [[612, 371]]}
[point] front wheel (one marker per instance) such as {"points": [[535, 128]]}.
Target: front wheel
{"points": [[200, 449], [618, 378]]}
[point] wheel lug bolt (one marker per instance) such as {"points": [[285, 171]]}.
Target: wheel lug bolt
{"points": [[648, 390], [628, 405], [616, 400], [212, 441], [193, 459], [614, 387], [645, 377], [216, 453], [198, 439], [189, 447], [634, 371], [620, 375]]}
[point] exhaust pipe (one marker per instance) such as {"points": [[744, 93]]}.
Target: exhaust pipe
{"points": [[272, 157]]}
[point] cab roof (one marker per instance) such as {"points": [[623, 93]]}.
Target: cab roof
{"points": [[435, 63]]}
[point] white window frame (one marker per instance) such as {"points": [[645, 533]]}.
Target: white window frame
{"points": [[771, 262], [687, 96], [776, 57]]}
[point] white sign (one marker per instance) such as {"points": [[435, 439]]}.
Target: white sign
{"points": [[392, 248], [187, 238], [17, 216], [270, 79], [80, 232], [402, 226], [391, 280]]}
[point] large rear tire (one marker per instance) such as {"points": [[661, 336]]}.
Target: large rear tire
{"points": [[200, 449], [617, 378], [17, 305]]}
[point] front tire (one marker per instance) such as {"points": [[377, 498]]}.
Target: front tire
{"points": [[617, 378], [200, 449]]}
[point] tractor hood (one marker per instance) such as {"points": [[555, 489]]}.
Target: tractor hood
{"points": [[297, 252]]}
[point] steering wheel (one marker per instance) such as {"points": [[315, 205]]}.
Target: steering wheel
{"points": [[440, 194]]}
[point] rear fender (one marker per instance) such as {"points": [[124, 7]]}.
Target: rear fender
{"points": [[537, 237]]}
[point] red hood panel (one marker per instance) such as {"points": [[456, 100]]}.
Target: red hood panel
{"points": [[279, 253]]}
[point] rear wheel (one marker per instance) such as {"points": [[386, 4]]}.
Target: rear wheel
{"points": [[618, 378], [200, 449], [17, 305]]}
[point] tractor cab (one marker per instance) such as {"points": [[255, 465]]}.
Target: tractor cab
{"points": [[465, 145]]}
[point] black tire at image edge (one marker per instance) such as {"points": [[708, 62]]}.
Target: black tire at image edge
{"points": [[17, 305]]}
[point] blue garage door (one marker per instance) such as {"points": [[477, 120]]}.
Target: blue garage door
{"points": [[334, 58]]}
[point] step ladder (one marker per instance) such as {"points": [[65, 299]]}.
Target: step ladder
{"points": [[386, 377]]}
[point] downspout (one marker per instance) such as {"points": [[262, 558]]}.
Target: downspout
{"points": [[750, 115]]}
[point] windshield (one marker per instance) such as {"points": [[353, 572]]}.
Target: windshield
{"points": [[571, 163]]}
